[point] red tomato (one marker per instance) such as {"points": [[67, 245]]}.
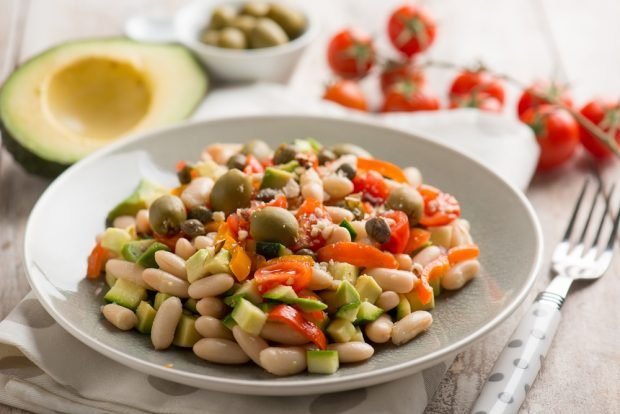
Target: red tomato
{"points": [[350, 54], [395, 72], [411, 29], [399, 232], [308, 214], [346, 93], [552, 89], [557, 134], [471, 82], [481, 101], [290, 273], [408, 97], [605, 113], [372, 185], [439, 208]]}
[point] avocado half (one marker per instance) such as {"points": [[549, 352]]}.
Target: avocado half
{"points": [[70, 100]]}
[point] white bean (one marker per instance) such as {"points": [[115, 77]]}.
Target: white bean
{"points": [[122, 222], [380, 330], [427, 255], [283, 361], [220, 153], [388, 300], [352, 351], [339, 234], [337, 186], [338, 214], [211, 327], [252, 345], [283, 334], [122, 269], [320, 280], [220, 351], [184, 248], [400, 281], [203, 242], [213, 285], [311, 185], [345, 159], [460, 233], [143, 225], [460, 274], [171, 263], [404, 261], [410, 326], [197, 192], [211, 306], [165, 322], [164, 282], [414, 177], [119, 316]]}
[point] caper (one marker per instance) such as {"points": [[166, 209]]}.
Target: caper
{"points": [[255, 8], [244, 23], [166, 215], [193, 228], [258, 148], [231, 191], [347, 170], [221, 17], [237, 161], [407, 200], [231, 38], [292, 21], [200, 213], [267, 33], [325, 155], [185, 174], [378, 229], [274, 224], [306, 252], [210, 37], [267, 194], [344, 149], [284, 153]]}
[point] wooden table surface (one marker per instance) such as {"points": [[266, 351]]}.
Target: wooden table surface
{"points": [[571, 40]]}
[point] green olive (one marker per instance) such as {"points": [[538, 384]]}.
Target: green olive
{"points": [[231, 38], [221, 17], [283, 154], [166, 214], [267, 33], [345, 149], [258, 148], [326, 155], [237, 161], [231, 191], [210, 37], [244, 23], [407, 200], [292, 21], [274, 224], [255, 8]]}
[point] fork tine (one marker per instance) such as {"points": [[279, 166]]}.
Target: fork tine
{"points": [[587, 223], [571, 223], [614, 232], [604, 216]]}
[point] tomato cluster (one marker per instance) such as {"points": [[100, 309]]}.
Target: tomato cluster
{"points": [[352, 56]]}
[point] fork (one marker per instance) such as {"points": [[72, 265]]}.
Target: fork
{"points": [[519, 363]]}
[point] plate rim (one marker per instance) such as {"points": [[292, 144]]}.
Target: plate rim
{"points": [[272, 387]]}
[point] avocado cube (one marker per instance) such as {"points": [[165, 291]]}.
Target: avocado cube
{"points": [[348, 312], [322, 362], [281, 293], [368, 288], [247, 290], [218, 263], [341, 330], [229, 322], [190, 305], [358, 336], [249, 317], [308, 305], [146, 315], [195, 265], [368, 313], [147, 259], [110, 279], [114, 239], [140, 198], [403, 308], [186, 335], [343, 271], [329, 298], [132, 250], [415, 302], [289, 166], [275, 178], [126, 294], [436, 285], [346, 294], [159, 299]]}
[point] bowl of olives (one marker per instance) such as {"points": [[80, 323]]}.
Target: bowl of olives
{"points": [[246, 40]]}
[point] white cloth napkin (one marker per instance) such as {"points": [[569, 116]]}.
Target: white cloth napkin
{"points": [[45, 370]]}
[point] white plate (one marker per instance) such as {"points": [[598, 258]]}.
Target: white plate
{"points": [[62, 226]]}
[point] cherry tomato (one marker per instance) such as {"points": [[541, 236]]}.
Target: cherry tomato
{"points": [[395, 72], [308, 214], [408, 97], [471, 82], [351, 54], [411, 29], [399, 232], [605, 113], [554, 90], [346, 93], [372, 186], [557, 134], [439, 208], [289, 273], [481, 101]]}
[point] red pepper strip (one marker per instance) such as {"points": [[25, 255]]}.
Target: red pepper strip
{"points": [[399, 232], [460, 253], [386, 169], [357, 254], [169, 241], [435, 269], [293, 318], [289, 273], [96, 261], [252, 165], [417, 238]]}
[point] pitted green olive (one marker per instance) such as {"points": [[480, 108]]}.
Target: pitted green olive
{"points": [[284, 153], [267, 33], [407, 200], [231, 38], [258, 148], [166, 214], [345, 149], [244, 23], [292, 21], [231, 191], [255, 8], [274, 224], [221, 17]]}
